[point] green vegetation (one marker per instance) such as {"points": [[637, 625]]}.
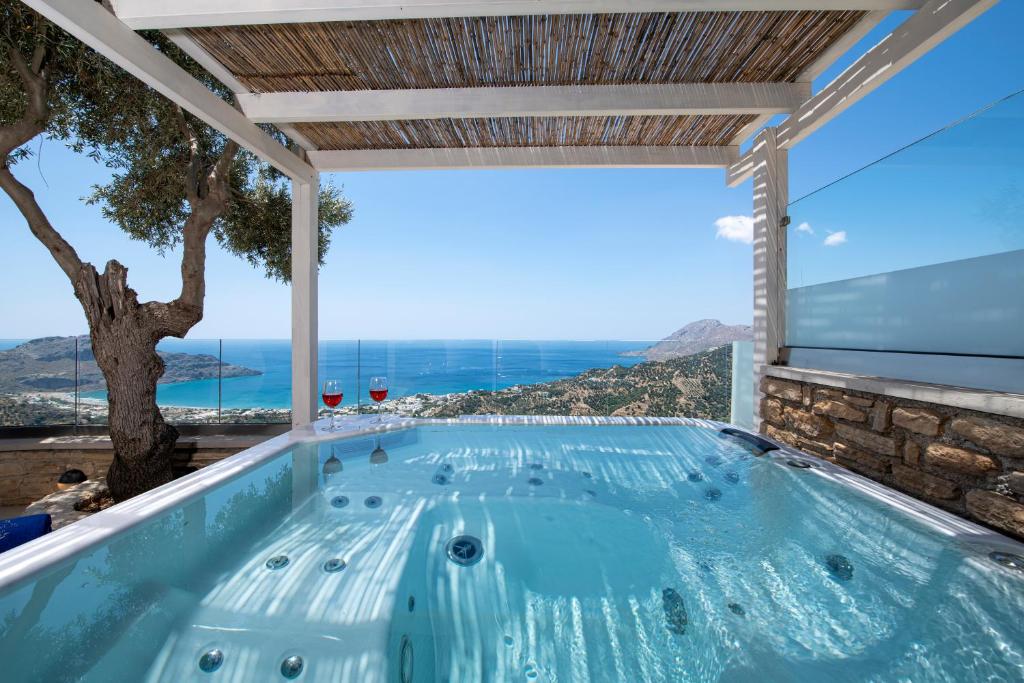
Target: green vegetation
{"points": [[691, 386]]}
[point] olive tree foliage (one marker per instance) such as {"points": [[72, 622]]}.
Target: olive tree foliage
{"points": [[155, 149], [173, 181]]}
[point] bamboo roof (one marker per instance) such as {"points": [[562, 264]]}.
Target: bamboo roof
{"points": [[579, 49], [553, 131]]}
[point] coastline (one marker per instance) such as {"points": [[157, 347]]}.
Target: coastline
{"points": [[58, 408], [692, 386]]}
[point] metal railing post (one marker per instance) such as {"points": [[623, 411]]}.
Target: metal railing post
{"points": [[220, 378], [76, 380]]}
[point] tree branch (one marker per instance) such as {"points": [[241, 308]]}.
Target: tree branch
{"points": [[63, 253], [184, 312], [33, 121], [31, 124], [40, 53], [192, 193]]}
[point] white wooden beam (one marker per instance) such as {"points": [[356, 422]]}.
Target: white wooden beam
{"points": [[224, 75], [929, 26], [826, 59], [843, 45], [140, 14], [305, 266], [575, 100], [771, 199], [99, 29], [523, 157]]}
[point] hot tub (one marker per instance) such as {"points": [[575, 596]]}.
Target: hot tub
{"points": [[516, 550]]}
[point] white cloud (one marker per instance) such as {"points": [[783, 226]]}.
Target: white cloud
{"points": [[805, 227], [735, 228], [834, 239]]}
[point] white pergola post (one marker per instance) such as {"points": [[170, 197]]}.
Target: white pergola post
{"points": [[305, 263], [771, 199]]}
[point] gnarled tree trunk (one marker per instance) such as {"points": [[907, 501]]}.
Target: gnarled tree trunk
{"points": [[143, 443], [124, 344]]}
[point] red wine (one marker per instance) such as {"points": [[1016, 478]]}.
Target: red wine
{"points": [[378, 395], [331, 400]]}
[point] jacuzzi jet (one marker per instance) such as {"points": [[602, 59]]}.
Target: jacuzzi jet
{"points": [[732, 477], [464, 550], [695, 476], [536, 466], [588, 475], [712, 494], [411, 602], [447, 468], [1008, 560], [737, 609], [334, 565], [211, 661], [440, 479], [713, 460], [534, 481], [405, 660], [372, 502], [339, 501], [291, 667], [799, 464], [278, 562], [839, 566]]}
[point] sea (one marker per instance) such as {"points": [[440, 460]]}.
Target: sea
{"points": [[412, 367]]}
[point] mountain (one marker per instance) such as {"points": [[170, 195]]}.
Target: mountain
{"points": [[697, 385], [696, 337], [48, 364]]}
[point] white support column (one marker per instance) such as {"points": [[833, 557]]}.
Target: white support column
{"points": [[305, 263], [771, 199]]}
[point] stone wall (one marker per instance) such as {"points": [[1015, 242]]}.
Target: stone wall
{"points": [[30, 474], [964, 461]]}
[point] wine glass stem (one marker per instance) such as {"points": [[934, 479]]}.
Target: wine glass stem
{"points": [[380, 405], [334, 413]]}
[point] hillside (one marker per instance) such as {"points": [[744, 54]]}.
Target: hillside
{"points": [[48, 364], [698, 336], [692, 386]]}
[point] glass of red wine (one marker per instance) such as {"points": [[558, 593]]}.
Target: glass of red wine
{"points": [[331, 394], [379, 392]]}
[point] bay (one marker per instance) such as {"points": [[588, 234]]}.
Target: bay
{"points": [[412, 367]]}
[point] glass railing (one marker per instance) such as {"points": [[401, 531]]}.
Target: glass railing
{"points": [[55, 381], [913, 267], [741, 404]]}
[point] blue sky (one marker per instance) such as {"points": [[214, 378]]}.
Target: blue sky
{"points": [[523, 254]]}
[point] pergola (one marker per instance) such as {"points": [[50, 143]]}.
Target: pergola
{"points": [[436, 84]]}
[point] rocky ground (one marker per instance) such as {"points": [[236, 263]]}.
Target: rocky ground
{"points": [[700, 335], [692, 386]]}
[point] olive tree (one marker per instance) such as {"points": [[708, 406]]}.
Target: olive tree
{"points": [[173, 182]]}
